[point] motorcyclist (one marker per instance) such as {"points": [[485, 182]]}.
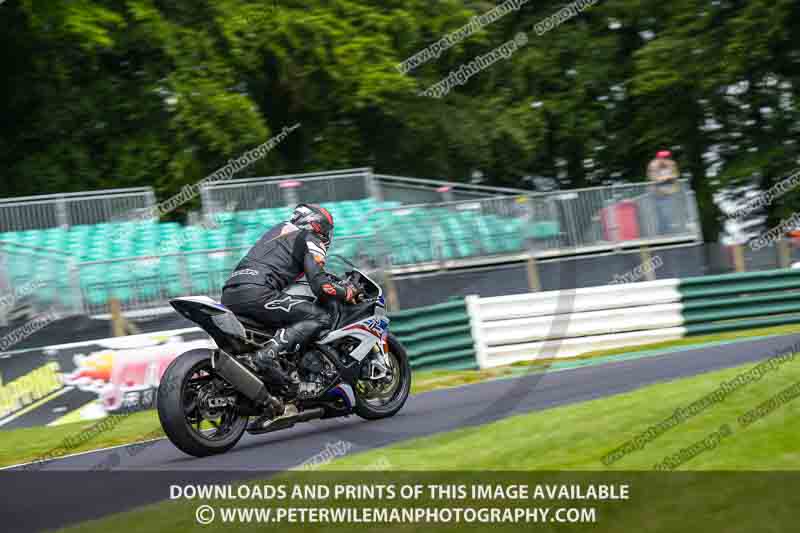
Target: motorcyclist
{"points": [[256, 288]]}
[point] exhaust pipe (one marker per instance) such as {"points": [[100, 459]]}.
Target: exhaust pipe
{"points": [[285, 422], [242, 378], [311, 414]]}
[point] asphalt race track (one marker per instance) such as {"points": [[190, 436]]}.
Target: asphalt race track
{"points": [[49, 498]]}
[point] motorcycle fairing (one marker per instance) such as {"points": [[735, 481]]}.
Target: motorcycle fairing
{"points": [[368, 332]]}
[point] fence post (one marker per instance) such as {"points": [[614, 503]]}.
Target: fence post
{"points": [[117, 326], [373, 187], [437, 247], [611, 210], [646, 260], [5, 286], [534, 283], [150, 198], [784, 254], [206, 206], [569, 213], [694, 217], [183, 263], [649, 214], [738, 258], [392, 299], [62, 217], [120, 326]]}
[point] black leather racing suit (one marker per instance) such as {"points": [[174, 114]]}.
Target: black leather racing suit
{"points": [[282, 256]]}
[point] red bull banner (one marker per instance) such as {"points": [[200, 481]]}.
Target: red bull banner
{"points": [[126, 379], [83, 381]]}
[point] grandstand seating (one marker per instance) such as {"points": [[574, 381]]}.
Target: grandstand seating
{"points": [[413, 235]]}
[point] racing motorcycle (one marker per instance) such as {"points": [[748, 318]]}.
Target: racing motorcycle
{"points": [[207, 396]]}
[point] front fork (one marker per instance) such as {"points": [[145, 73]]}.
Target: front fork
{"points": [[377, 365]]}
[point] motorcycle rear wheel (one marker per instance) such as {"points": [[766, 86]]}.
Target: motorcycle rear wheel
{"points": [[183, 415]]}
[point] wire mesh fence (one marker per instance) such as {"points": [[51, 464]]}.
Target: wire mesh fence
{"points": [[417, 191], [276, 192], [556, 223], [72, 209]]}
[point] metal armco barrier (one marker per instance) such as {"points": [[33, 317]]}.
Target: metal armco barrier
{"points": [[568, 323], [738, 301], [439, 336]]}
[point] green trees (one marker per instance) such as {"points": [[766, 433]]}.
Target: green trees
{"points": [[105, 93]]}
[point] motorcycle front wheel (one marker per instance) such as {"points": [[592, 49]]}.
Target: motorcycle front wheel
{"points": [[382, 399]]}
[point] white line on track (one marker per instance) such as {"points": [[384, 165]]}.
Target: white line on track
{"points": [[83, 453]]}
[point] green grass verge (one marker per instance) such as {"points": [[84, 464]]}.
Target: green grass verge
{"points": [[23, 445], [31, 444], [577, 437]]}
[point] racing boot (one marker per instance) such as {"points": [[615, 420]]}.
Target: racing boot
{"points": [[286, 342], [277, 379]]}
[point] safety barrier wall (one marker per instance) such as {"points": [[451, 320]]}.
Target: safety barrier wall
{"points": [[579, 300], [439, 336], [568, 323], [92, 378], [736, 301]]}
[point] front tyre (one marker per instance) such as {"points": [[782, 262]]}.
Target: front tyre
{"points": [[376, 400], [186, 393]]}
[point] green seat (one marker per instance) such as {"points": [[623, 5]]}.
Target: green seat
{"points": [[200, 281], [543, 230], [96, 294], [10, 236]]}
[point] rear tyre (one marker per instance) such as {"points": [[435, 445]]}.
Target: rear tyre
{"points": [[372, 407], [190, 426]]}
